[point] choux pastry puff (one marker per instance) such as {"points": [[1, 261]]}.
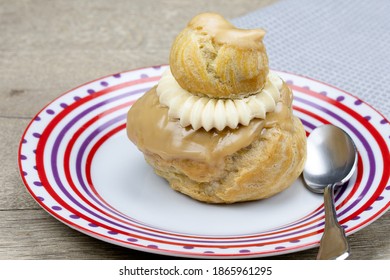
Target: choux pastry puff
{"points": [[219, 125]]}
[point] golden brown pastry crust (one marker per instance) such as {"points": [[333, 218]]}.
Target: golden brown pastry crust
{"points": [[211, 57], [270, 164]]}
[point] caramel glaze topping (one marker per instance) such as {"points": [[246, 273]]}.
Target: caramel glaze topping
{"points": [[224, 32], [149, 127]]}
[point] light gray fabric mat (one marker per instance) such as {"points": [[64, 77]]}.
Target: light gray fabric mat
{"points": [[343, 43]]}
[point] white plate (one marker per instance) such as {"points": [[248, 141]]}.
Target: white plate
{"points": [[77, 163]]}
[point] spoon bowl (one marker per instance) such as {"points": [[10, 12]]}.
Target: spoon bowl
{"points": [[331, 161]]}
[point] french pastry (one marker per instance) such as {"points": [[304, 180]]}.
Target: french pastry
{"points": [[219, 125]]}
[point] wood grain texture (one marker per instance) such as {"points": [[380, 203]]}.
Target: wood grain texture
{"points": [[48, 47], [14, 195], [34, 234]]}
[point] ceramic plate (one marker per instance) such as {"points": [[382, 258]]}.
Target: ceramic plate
{"points": [[77, 163]]}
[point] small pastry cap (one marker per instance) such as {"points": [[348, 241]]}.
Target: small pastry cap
{"points": [[213, 58]]}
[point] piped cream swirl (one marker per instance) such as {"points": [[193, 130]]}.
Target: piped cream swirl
{"points": [[210, 113]]}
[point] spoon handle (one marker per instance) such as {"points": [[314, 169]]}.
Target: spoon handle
{"points": [[334, 243]]}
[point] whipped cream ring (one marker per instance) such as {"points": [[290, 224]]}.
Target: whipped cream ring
{"points": [[209, 113]]}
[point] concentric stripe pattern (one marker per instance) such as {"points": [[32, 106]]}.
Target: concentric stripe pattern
{"points": [[59, 146]]}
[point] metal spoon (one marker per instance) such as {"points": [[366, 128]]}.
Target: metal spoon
{"points": [[331, 161]]}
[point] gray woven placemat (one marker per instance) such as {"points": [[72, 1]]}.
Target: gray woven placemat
{"points": [[343, 43]]}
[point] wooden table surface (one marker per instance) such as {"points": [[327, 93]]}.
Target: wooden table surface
{"points": [[48, 47]]}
